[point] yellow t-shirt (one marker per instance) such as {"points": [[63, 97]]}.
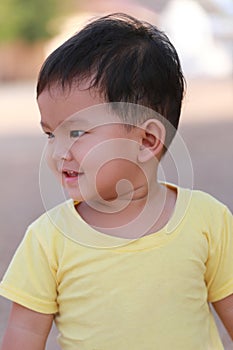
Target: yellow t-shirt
{"points": [[147, 294]]}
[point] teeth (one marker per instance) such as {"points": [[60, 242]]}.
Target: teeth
{"points": [[72, 173]]}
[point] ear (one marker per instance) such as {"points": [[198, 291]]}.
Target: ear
{"points": [[152, 140]]}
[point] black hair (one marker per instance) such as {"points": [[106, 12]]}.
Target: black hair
{"points": [[128, 61]]}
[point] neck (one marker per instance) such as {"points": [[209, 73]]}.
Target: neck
{"points": [[126, 200], [143, 215]]}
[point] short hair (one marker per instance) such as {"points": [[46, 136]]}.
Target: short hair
{"points": [[127, 60]]}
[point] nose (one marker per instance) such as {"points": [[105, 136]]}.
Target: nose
{"points": [[61, 151]]}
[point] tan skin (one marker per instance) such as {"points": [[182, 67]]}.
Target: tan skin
{"points": [[224, 309], [26, 329], [29, 330]]}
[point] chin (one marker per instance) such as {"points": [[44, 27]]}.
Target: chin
{"points": [[75, 196]]}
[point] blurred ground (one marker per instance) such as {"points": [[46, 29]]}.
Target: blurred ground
{"points": [[206, 126]]}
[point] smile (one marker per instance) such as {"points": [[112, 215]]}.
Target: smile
{"points": [[71, 176], [70, 173]]}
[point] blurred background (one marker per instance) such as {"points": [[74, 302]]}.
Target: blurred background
{"points": [[202, 33]]}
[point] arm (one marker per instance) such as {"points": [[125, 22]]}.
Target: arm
{"points": [[224, 309], [26, 329]]}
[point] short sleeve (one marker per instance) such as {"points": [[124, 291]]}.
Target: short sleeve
{"points": [[219, 266], [31, 277]]}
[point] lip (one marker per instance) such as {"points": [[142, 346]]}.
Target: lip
{"points": [[70, 179]]}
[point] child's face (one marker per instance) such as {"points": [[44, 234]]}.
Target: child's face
{"points": [[91, 151]]}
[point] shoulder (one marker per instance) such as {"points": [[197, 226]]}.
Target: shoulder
{"points": [[48, 227], [51, 218], [205, 205], [202, 202], [208, 214]]}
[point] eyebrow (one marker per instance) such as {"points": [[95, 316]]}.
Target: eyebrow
{"points": [[45, 125]]}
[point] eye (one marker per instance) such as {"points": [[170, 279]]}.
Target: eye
{"points": [[76, 133], [50, 135]]}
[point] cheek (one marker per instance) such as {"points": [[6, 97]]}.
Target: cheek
{"points": [[79, 155], [119, 169], [83, 153], [49, 157], [52, 164], [118, 177]]}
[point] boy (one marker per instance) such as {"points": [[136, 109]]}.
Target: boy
{"points": [[103, 264]]}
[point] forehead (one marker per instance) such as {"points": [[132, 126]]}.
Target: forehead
{"points": [[65, 102], [78, 104]]}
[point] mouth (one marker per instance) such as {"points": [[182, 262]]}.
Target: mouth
{"points": [[71, 175]]}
